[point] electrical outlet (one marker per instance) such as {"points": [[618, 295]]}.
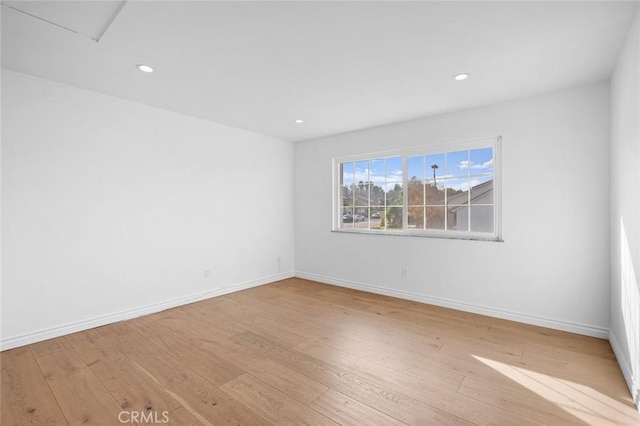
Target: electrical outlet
{"points": [[405, 272], [279, 261], [206, 273]]}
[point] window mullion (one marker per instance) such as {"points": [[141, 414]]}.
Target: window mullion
{"points": [[353, 196], [386, 193], [369, 185], [446, 201], [469, 194], [405, 195], [424, 192]]}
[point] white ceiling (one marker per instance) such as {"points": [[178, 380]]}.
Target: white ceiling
{"points": [[340, 66], [90, 18]]}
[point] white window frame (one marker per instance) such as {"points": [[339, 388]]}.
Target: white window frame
{"points": [[493, 142]]}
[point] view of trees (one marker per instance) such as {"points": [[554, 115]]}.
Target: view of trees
{"points": [[452, 190], [355, 200], [368, 199], [432, 196]]}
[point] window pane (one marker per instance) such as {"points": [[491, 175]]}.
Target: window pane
{"points": [[361, 191], [458, 218], [458, 163], [415, 192], [394, 218], [394, 169], [347, 196], [377, 195], [482, 219], [347, 174], [450, 192], [360, 219], [415, 168], [376, 172], [360, 172], [482, 161], [416, 218], [482, 191], [458, 191], [435, 193], [435, 218], [375, 217], [347, 218], [394, 194], [434, 164]]}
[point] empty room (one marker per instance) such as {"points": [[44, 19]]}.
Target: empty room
{"points": [[320, 213]]}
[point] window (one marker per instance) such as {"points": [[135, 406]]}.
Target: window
{"points": [[445, 191]]}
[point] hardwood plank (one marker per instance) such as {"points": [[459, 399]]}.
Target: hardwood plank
{"points": [[366, 340], [132, 389], [286, 380], [216, 369], [202, 398], [349, 412], [81, 396], [464, 359], [364, 328], [216, 343], [409, 361], [182, 416], [419, 381], [515, 398], [549, 335], [272, 404], [408, 311], [543, 344], [366, 391], [415, 387], [365, 320], [50, 346], [295, 350], [300, 285], [551, 400], [600, 373], [26, 396], [402, 351], [238, 316]]}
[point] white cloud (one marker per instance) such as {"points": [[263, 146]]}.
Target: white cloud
{"points": [[368, 175], [486, 165]]}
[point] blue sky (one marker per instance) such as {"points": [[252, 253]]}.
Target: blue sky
{"points": [[454, 166]]}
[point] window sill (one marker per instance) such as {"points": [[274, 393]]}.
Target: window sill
{"points": [[447, 236]]}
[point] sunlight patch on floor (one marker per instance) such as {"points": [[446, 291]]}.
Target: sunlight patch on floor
{"points": [[582, 402]]}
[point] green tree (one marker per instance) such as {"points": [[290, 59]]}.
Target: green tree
{"points": [[393, 214]]}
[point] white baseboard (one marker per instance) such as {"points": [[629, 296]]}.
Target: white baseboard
{"points": [[571, 327], [627, 373], [50, 333]]}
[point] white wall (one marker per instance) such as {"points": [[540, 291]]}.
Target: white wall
{"points": [[112, 209], [625, 210], [553, 266]]}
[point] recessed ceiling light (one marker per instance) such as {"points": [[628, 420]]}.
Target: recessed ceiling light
{"points": [[462, 76], [298, 121], [144, 68]]}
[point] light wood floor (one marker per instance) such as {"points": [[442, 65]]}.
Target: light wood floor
{"points": [[297, 352]]}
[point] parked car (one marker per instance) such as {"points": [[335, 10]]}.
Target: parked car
{"points": [[358, 217], [347, 218], [375, 215]]}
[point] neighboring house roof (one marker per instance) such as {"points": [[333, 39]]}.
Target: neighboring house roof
{"points": [[477, 191]]}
